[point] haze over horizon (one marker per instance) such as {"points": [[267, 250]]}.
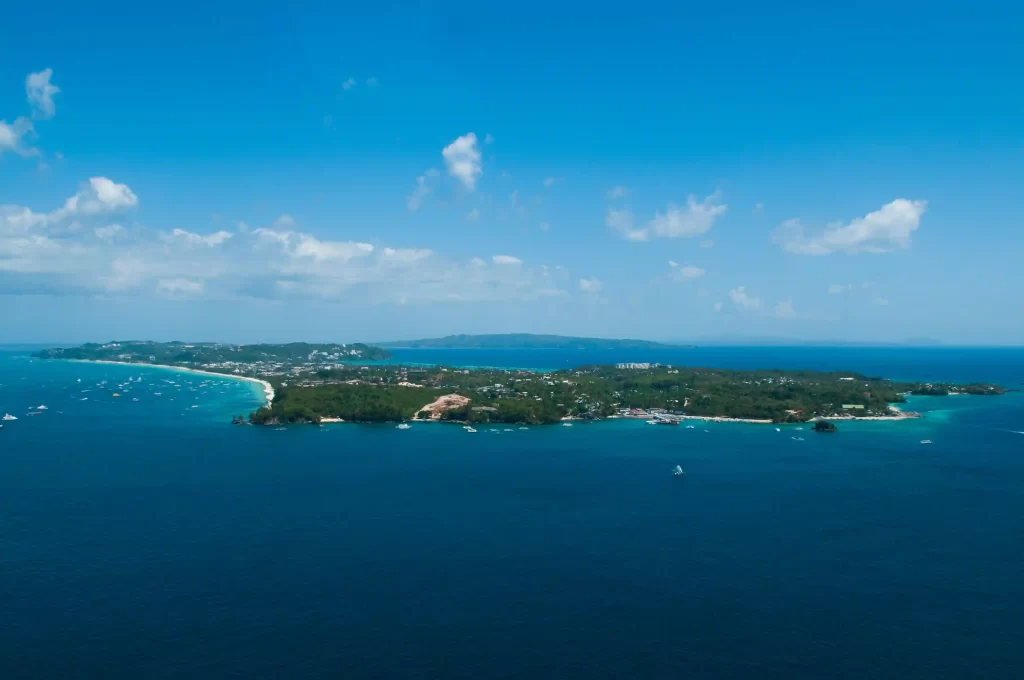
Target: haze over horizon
{"points": [[332, 173]]}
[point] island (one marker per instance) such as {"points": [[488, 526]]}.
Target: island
{"points": [[525, 341], [656, 393], [317, 383]]}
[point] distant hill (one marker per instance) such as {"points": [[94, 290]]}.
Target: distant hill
{"points": [[523, 341]]}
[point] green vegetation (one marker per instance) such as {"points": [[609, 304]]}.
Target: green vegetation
{"points": [[356, 403], [523, 341], [388, 393]]}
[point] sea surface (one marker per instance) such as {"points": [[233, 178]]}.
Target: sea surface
{"points": [[151, 539]]}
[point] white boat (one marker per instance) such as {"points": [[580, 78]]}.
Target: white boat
{"points": [[926, 441], [470, 429], [689, 427], [678, 471], [566, 424], [8, 416], [402, 426], [652, 422], [135, 399], [40, 408], [797, 439], [508, 429], [798, 428], [524, 428], [778, 429]]}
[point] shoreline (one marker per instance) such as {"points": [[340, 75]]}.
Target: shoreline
{"points": [[268, 389]]}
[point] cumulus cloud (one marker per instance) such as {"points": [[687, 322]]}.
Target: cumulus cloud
{"points": [[462, 158], [100, 196], [882, 231], [617, 192], [693, 219], [744, 300], [39, 91], [280, 261], [590, 286], [192, 240], [505, 259]]}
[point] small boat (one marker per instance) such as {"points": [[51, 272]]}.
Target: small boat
{"points": [[797, 439], [778, 429], [508, 429], [926, 441], [678, 471], [195, 405], [652, 422], [524, 428], [566, 424], [115, 394], [470, 429], [402, 426], [798, 428], [40, 408], [8, 416], [689, 427], [135, 398]]}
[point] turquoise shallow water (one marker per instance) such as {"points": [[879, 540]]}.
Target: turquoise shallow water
{"points": [[150, 539]]}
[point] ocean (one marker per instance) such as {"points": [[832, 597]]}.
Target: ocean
{"points": [[152, 539]]}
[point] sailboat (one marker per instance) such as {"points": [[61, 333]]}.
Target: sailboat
{"points": [[8, 416], [678, 471]]}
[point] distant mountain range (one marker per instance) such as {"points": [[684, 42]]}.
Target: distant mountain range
{"points": [[524, 341]]}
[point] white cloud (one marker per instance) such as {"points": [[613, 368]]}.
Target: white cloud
{"points": [[98, 197], [784, 309], [743, 300], [622, 222], [70, 252], [415, 200], [473, 215], [590, 286], [348, 84], [40, 91], [885, 230], [192, 240], [673, 263], [707, 244], [616, 192], [692, 220], [13, 137], [718, 306], [462, 158], [108, 232], [175, 287], [689, 273]]}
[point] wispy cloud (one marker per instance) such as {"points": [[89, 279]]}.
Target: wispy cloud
{"points": [[617, 192], [590, 286], [693, 219], [39, 91]]}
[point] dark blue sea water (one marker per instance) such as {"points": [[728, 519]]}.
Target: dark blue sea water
{"points": [[153, 539]]}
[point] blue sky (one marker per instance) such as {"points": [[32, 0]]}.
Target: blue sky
{"points": [[328, 172]]}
